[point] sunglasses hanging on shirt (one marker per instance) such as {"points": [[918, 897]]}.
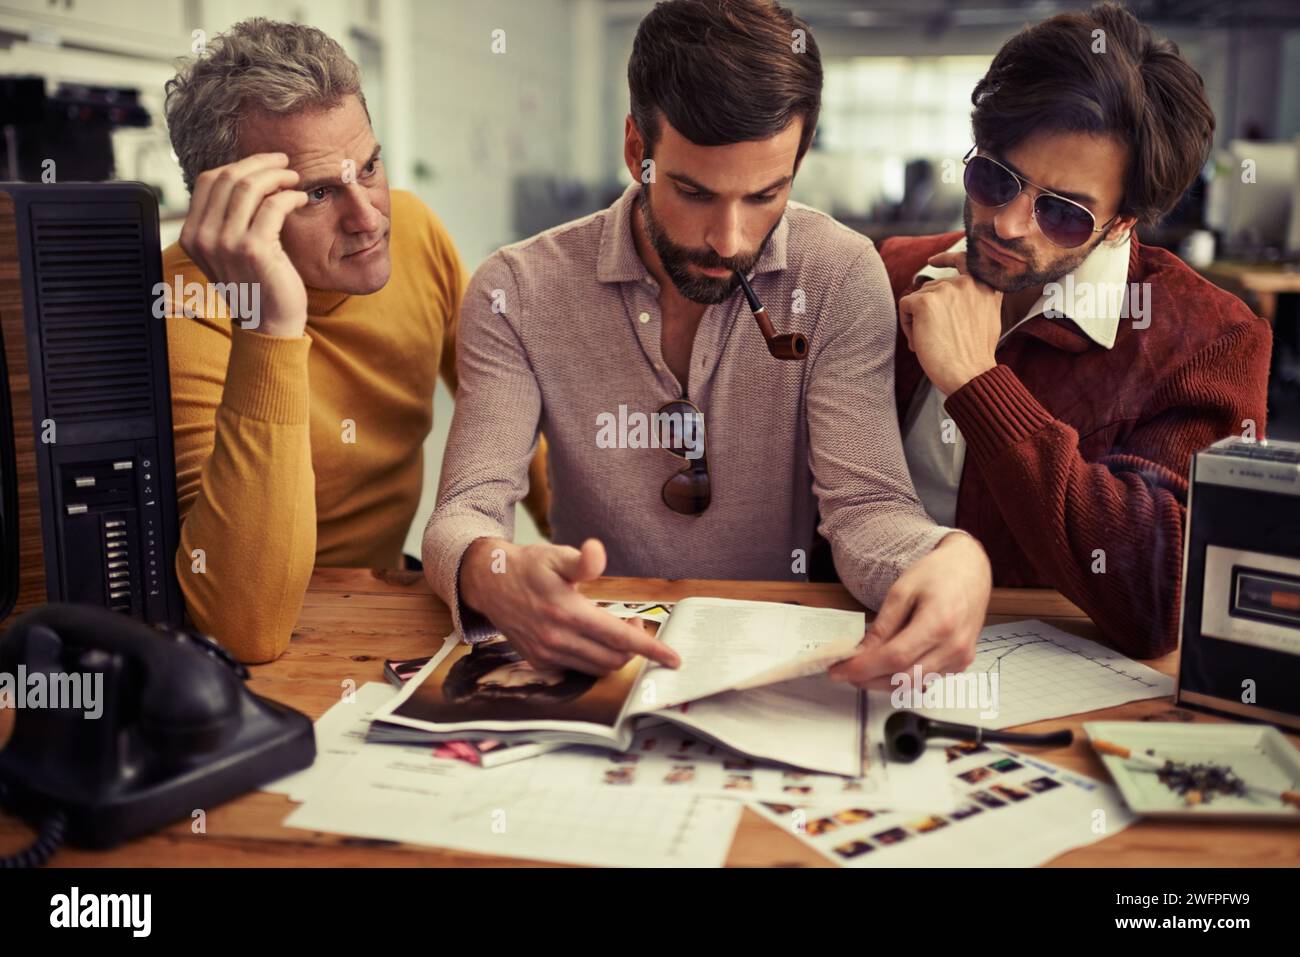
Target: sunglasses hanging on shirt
{"points": [[689, 491]]}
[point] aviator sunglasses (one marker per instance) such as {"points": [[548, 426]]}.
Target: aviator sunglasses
{"points": [[1062, 221]]}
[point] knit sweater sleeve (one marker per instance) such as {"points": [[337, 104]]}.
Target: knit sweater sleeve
{"points": [[493, 438], [1109, 533]]}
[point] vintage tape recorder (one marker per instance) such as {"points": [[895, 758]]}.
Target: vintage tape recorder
{"points": [[1241, 582]]}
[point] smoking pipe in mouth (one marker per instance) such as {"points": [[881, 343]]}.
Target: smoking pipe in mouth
{"points": [[793, 345]]}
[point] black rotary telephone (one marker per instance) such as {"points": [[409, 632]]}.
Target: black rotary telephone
{"points": [[172, 728]]}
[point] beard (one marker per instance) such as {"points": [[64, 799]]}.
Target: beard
{"points": [[706, 290], [1035, 274]]}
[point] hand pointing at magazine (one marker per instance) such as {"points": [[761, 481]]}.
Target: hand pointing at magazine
{"points": [[535, 603]]}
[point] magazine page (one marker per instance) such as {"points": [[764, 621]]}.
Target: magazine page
{"points": [[726, 644], [489, 687], [812, 723]]}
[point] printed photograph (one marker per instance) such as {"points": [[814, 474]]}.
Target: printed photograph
{"points": [[963, 749], [854, 815], [928, 824], [822, 825], [854, 849], [490, 680], [680, 774], [623, 775], [895, 835], [1010, 791]]}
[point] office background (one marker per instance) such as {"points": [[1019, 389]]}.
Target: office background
{"points": [[504, 144]]}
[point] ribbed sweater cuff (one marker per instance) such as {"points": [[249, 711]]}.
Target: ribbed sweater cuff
{"points": [[446, 540], [266, 378], [995, 411]]}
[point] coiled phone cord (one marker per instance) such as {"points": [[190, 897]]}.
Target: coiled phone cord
{"points": [[49, 838]]}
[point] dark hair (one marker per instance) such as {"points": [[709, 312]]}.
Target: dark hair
{"points": [[1140, 90], [462, 682], [724, 71]]}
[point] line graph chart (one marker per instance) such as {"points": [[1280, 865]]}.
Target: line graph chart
{"points": [[1029, 671]]}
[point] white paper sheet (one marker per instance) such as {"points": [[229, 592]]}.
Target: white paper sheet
{"points": [[340, 734], [1015, 811], [813, 722], [726, 644], [668, 759], [1041, 672], [401, 794]]}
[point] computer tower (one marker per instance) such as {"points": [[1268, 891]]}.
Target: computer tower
{"points": [[87, 474]]}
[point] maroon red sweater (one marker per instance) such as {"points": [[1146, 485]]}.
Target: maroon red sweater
{"points": [[1072, 448]]}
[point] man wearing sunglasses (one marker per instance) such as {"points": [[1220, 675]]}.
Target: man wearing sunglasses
{"points": [[680, 444], [1054, 375]]}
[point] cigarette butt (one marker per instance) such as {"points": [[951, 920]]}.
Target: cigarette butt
{"points": [[1107, 747], [1191, 798]]}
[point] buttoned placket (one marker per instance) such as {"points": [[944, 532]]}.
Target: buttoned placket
{"points": [[641, 300]]}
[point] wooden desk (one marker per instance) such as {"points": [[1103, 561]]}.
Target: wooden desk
{"points": [[1256, 283], [354, 619]]}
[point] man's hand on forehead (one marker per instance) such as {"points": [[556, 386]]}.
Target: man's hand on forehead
{"points": [[232, 232]]}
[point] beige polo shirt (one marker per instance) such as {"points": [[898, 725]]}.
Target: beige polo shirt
{"points": [[558, 332]]}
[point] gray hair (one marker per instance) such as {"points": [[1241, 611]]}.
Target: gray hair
{"points": [[257, 64]]}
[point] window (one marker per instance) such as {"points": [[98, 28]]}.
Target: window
{"points": [[899, 107]]}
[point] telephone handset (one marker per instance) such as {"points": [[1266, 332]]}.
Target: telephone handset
{"points": [[136, 728]]}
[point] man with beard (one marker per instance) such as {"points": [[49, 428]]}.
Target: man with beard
{"points": [[1060, 373], [633, 314]]}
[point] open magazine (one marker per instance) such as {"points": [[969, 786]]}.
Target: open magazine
{"points": [[752, 679], [481, 752]]}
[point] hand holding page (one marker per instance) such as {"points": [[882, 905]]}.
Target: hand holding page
{"points": [[730, 645], [813, 661]]}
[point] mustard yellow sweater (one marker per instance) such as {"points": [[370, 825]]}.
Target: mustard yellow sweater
{"points": [[297, 452]]}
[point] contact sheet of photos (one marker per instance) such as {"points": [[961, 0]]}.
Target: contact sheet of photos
{"points": [[1062, 810], [664, 757]]}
